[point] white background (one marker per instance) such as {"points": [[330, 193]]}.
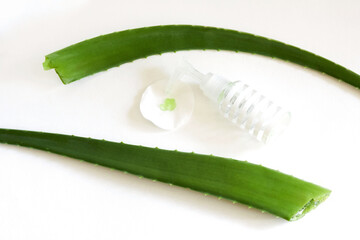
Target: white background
{"points": [[45, 196]]}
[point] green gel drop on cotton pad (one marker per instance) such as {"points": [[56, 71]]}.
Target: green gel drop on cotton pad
{"points": [[168, 105]]}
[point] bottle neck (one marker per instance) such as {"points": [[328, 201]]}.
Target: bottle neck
{"points": [[213, 86]]}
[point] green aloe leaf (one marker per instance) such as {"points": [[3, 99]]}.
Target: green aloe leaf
{"points": [[240, 181], [111, 50]]}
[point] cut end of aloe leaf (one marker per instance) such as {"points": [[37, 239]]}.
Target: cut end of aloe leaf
{"points": [[46, 64], [312, 204]]}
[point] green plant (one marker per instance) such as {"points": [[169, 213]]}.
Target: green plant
{"points": [[107, 51], [257, 186]]}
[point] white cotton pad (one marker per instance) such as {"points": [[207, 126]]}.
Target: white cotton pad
{"points": [[167, 111]]}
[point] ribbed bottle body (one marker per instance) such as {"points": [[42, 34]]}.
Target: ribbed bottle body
{"points": [[252, 111]]}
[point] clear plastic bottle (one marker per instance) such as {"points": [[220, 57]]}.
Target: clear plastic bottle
{"points": [[241, 104]]}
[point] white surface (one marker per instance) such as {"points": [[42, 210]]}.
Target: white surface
{"points": [[45, 196]]}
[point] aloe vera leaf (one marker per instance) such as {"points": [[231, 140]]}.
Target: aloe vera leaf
{"points": [[107, 51], [240, 181]]}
